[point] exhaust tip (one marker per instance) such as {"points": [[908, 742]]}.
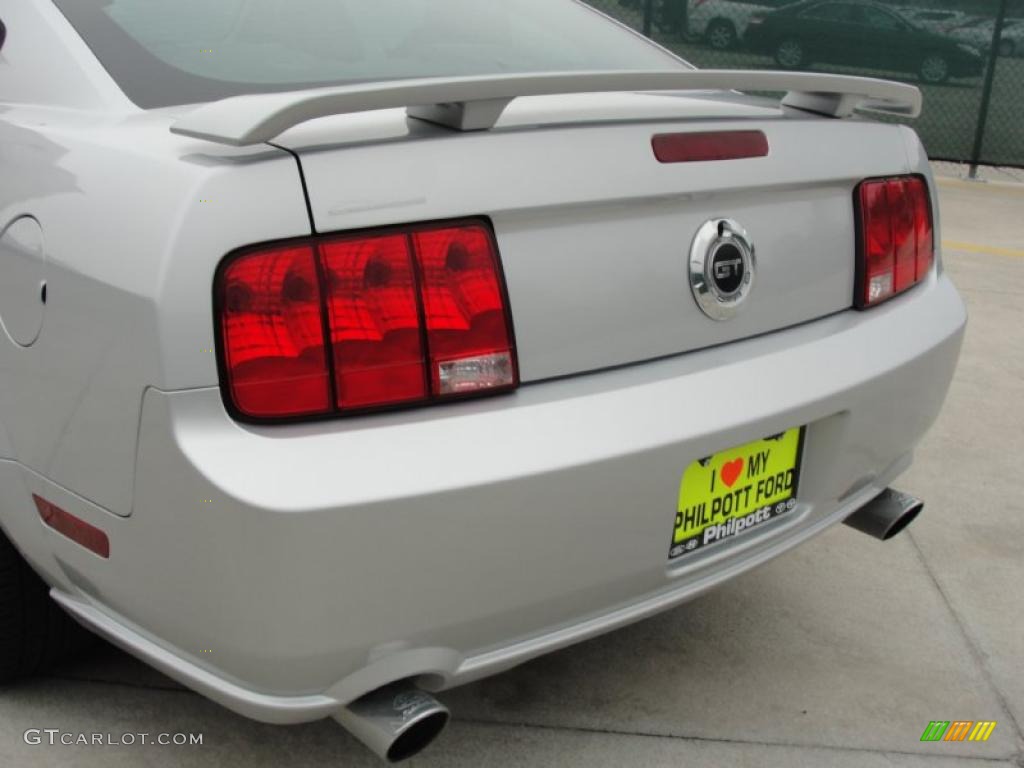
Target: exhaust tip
{"points": [[395, 722], [903, 520], [418, 737], [886, 515]]}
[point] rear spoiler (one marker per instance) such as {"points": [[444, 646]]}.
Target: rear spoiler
{"points": [[476, 103]]}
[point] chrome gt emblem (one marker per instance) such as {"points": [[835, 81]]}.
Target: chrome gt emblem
{"points": [[721, 268]]}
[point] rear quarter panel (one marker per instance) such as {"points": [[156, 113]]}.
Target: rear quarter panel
{"points": [[134, 223]]}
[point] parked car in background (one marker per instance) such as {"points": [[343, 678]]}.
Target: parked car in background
{"points": [[860, 34], [722, 23], [668, 15], [935, 20], [980, 32]]}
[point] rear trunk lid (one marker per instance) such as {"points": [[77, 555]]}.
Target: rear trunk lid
{"points": [[594, 233]]}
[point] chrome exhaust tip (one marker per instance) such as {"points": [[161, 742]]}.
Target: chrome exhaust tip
{"points": [[395, 722], [886, 515]]}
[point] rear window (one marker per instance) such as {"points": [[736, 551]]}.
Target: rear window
{"points": [[931, 15], [165, 52], [758, 3], [830, 12]]}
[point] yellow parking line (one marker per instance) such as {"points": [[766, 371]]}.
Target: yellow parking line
{"points": [[988, 250], [1001, 187]]}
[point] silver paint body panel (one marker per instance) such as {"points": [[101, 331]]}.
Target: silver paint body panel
{"points": [[321, 561]]}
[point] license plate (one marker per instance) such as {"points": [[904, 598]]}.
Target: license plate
{"points": [[736, 491]]}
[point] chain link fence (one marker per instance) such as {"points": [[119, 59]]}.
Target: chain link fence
{"points": [[967, 56]]}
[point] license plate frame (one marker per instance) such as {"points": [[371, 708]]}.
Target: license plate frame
{"points": [[711, 510]]}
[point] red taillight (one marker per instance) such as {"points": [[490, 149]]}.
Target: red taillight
{"points": [[895, 249], [904, 238], [923, 227], [709, 145], [374, 317], [272, 332], [76, 529], [467, 327], [411, 314], [876, 228]]}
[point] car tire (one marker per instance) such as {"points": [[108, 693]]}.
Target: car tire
{"points": [[35, 633], [721, 35], [790, 53], [934, 69]]}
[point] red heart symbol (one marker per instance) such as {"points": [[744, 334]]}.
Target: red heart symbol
{"points": [[730, 471]]}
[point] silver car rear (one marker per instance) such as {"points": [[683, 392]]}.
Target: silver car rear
{"points": [[332, 566]]}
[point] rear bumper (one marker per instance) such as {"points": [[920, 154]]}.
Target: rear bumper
{"points": [[287, 571]]}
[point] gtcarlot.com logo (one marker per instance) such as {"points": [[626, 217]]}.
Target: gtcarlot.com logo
{"points": [[958, 730], [55, 737]]}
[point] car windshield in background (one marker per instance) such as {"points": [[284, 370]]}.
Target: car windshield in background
{"points": [[185, 51]]}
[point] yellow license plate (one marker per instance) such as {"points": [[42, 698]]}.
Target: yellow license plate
{"points": [[736, 491]]}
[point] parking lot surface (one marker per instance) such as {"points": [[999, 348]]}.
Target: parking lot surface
{"points": [[838, 654]]}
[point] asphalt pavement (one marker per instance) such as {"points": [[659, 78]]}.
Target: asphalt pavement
{"points": [[837, 654]]}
